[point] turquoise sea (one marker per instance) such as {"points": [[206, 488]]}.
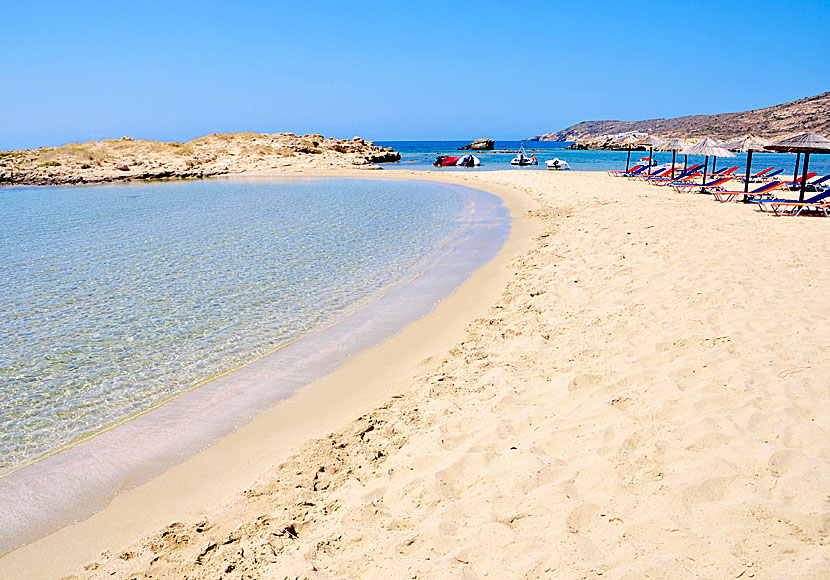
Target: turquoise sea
{"points": [[421, 154], [117, 298]]}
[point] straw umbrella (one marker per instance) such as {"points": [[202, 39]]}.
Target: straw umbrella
{"points": [[675, 145], [804, 143], [707, 147], [747, 145], [628, 141], [651, 142]]}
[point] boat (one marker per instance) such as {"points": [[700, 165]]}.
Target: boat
{"points": [[442, 161], [557, 165], [523, 159], [468, 160]]}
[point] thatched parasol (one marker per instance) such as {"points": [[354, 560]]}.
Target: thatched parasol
{"points": [[804, 143], [747, 145], [675, 145], [628, 141], [707, 147], [651, 142]]}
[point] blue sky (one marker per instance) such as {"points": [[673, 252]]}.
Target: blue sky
{"points": [[390, 70]]}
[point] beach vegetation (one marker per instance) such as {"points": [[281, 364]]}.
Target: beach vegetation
{"points": [[50, 164], [91, 151]]}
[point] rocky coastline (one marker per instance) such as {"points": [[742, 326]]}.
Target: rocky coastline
{"points": [[127, 159]]}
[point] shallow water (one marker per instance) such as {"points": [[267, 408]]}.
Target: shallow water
{"points": [[421, 154], [117, 298]]}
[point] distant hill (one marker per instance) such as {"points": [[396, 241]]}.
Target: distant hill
{"points": [[810, 114]]}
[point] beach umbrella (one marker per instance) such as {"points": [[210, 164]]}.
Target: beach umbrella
{"points": [[675, 145], [747, 145], [628, 141], [651, 142], [715, 158], [804, 143], [707, 147]]}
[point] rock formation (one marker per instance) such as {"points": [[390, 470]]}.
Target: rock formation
{"points": [[479, 145], [126, 159]]}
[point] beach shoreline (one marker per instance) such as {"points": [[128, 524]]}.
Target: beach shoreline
{"points": [[629, 390], [306, 413]]}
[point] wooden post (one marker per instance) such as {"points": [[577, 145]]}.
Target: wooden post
{"points": [[673, 157], [795, 173], [748, 165], [628, 159], [705, 166], [804, 176]]}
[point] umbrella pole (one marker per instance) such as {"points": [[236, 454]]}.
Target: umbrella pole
{"points": [[650, 150], [795, 173], [804, 176], [748, 165], [628, 159], [673, 157], [685, 162], [705, 165], [714, 162]]}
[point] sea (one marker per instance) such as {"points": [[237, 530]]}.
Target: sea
{"points": [[117, 298], [421, 154], [142, 322]]}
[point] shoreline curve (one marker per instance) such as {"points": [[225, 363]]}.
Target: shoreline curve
{"points": [[204, 482]]}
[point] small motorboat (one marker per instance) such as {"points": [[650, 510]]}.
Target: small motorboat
{"points": [[557, 165], [442, 161], [523, 159], [468, 160]]}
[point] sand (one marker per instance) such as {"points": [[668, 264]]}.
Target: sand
{"points": [[635, 388]]}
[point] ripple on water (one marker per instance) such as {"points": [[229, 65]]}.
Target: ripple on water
{"points": [[116, 298]]}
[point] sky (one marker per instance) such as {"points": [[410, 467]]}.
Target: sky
{"points": [[78, 71]]}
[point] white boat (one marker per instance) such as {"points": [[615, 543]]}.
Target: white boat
{"points": [[468, 160], [557, 165], [523, 158]]}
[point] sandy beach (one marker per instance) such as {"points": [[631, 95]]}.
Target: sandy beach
{"points": [[634, 388]]}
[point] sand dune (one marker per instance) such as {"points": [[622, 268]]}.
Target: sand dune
{"points": [[648, 398]]}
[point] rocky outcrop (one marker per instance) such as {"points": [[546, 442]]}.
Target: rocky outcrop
{"points": [[479, 145], [810, 114], [127, 159]]}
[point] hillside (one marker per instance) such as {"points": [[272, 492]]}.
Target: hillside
{"points": [[810, 114]]}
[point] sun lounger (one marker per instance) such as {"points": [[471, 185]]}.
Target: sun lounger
{"points": [[796, 183], [682, 186], [644, 176], [761, 174], [727, 196], [686, 174], [768, 176], [667, 180], [818, 183], [621, 172], [768, 205], [794, 208]]}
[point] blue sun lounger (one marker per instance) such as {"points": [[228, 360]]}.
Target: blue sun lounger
{"points": [[771, 204], [727, 196]]}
